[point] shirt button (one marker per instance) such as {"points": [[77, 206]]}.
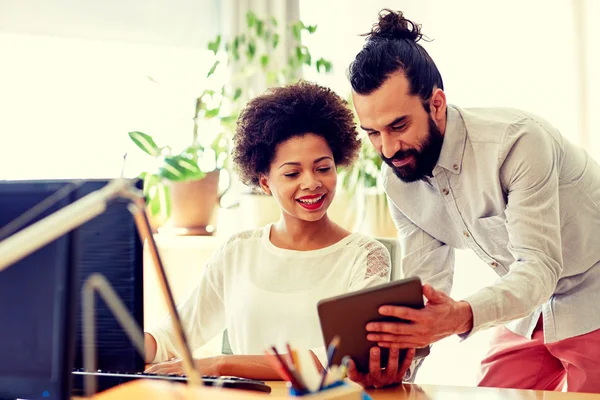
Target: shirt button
{"points": [[445, 191], [494, 264], [466, 234], [455, 166]]}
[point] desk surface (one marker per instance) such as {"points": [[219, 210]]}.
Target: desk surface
{"points": [[434, 392], [160, 390]]}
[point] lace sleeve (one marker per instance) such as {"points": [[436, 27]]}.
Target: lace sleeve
{"points": [[374, 267], [378, 261]]}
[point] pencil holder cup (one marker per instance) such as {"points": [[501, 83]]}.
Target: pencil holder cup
{"points": [[336, 391]]}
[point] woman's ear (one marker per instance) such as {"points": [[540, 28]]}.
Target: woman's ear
{"points": [[438, 106], [263, 181]]}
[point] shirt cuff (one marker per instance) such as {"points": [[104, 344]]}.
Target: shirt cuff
{"points": [[411, 372], [484, 312]]}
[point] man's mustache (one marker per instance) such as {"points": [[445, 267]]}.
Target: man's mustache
{"points": [[400, 155]]}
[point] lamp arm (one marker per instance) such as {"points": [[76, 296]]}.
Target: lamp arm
{"points": [[98, 283]]}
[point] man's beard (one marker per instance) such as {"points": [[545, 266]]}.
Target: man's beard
{"points": [[424, 161]]}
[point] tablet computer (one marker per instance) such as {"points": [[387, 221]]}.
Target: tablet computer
{"points": [[347, 316]]}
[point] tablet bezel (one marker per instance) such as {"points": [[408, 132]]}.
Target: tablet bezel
{"points": [[347, 315]]}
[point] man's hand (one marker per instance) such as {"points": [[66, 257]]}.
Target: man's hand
{"points": [[378, 378], [441, 317]]}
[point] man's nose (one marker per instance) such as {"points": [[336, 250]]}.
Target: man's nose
{"points": [[389, 145]]}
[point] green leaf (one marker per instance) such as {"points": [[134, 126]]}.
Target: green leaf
{"points": [[150, 181], [264, 60], [311, 29], [250, 19], [320, 64], [214, 46], [297, 32], [324, 65], [154, 202], [260, 27], [251, 52], [271, 77], [237, 94], [157, 195], [212, 112], [235, 50], [307, 58], [273, 21], [213, 68], [228, 119], [275, 40], [299, 54], [145, 142], [179, 168]]}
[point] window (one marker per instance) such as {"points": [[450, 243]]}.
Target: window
{"points": [[76, 77]]}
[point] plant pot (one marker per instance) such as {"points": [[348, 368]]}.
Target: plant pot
{"points": [[343, 210], [376, 220], [257, 210], [193, 205]]}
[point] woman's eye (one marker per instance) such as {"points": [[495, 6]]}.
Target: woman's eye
{"points": [[291, 174], [372, 133], [324, 169]]}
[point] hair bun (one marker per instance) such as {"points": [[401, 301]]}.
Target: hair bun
{"points": [[393, 25]]}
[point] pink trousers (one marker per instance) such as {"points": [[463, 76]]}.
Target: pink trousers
{"points": [[514, 361]]}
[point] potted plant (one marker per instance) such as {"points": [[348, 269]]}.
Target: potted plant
{"points": [[182, 187], [257, 60]]}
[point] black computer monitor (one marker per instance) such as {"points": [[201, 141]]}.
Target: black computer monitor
{"points": [[108, 244], [36, 308]]}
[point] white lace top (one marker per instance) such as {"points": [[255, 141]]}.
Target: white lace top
{"points": [[267, 296]]}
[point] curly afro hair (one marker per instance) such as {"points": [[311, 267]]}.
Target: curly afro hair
{"points": [[284, 112]]}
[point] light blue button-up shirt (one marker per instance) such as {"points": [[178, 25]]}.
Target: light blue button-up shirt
{"points": [[511, 188]]}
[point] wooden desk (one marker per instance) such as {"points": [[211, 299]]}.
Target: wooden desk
{"points": [[434, 392], [160, 390]]}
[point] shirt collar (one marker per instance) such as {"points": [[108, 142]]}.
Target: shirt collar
{"points": [[453, 147]]}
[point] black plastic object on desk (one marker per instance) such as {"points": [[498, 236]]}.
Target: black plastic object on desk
{"points": [[107, 380]]}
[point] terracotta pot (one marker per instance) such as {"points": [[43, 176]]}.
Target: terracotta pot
{"points": [[193, 205], [257, 210], [343, 210], [377, 220]]}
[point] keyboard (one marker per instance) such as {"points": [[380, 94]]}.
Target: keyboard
{"points": [[109, 379]]}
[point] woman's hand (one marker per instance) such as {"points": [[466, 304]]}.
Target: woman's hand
{"points": [[205, 366], [393, 374]]}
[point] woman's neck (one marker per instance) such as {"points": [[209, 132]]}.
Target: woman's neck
{"points": [[295, 234]]}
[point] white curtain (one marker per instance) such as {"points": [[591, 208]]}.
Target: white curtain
{"points": [[233, 22]]}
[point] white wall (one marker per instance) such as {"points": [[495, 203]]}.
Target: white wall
{"points": [[591, 14], [74, 79], [158, 22], [510, 53]]}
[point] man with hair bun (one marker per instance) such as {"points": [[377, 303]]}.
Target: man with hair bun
{"points": [[502, 182]]}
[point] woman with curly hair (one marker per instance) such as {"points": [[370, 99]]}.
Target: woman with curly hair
{"points": [[263, 285]]}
